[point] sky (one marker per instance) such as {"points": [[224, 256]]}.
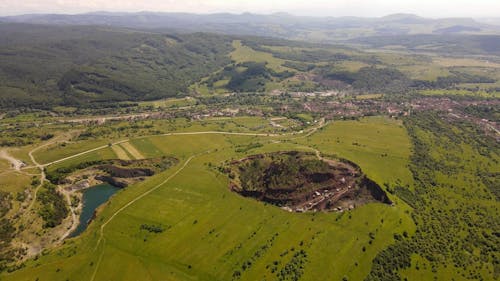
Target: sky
{"points": [[364, 8]]}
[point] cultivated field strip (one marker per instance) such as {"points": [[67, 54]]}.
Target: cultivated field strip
{"points": [[120, 152], [132, 150]]}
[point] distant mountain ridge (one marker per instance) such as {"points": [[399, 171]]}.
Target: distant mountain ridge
{"points": [[492, 21], [282, 25]]}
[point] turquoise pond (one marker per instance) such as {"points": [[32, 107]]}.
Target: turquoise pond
{"points": [[93, 197]]}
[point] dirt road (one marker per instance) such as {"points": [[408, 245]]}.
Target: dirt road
{"points": [[42, 167], [101, 232]]}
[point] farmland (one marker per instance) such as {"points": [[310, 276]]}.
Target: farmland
{"points": [[244, 53], [241, 235], [235, 157], [245, 239]]}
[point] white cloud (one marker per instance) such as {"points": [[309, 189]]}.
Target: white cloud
{"points": [[431, 8]]}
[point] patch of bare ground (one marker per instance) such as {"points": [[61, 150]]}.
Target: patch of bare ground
{"points": [[16, 164]]}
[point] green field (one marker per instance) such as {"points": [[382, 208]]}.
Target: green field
{"points": [[244, 53], [462, 92], [379, 145], [114, 132], [170, 103], [369, 96], [178, 119], [214, 234], [4, 164], [58, 151], [14, 181]]}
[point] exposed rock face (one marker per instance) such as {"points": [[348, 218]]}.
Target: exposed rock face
{"points": [[119, 172], [376, 191], [78, 185], [301, 182], [113, 181]]}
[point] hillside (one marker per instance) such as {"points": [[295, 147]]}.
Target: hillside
{"points": [[91, 67], [160, 146], [444, 43], [42, 66]]}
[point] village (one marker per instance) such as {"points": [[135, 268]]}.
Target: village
{"points": [[330, 105]]}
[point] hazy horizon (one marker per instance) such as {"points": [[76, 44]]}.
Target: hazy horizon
{"points": [[319, 8]]}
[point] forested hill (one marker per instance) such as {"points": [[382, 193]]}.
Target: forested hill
{"points": [[42, 66], [446, 44]]}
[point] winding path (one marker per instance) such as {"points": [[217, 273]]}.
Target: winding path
{"points": [[101, 231], [74, 218], [311, 131], [101, 239], [41, 167]]}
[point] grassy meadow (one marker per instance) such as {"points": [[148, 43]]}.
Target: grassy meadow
{"points": [[211, 233], [244, 53], [379, 145]]}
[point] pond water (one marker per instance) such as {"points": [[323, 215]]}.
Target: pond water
{"points": [[93, 197]]}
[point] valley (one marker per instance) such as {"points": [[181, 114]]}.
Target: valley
{"points": [[220, 145], [152, 154]]}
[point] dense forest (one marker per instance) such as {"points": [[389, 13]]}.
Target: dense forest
{"points": [[107, 67], [45, 66]]}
